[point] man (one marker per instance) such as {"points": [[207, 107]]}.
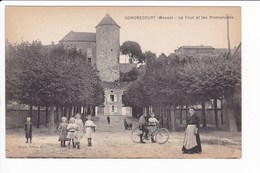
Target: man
{"points": [[142, 127]]}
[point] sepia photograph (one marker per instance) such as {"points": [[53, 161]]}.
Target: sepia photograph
{"points": [[124, 82]]}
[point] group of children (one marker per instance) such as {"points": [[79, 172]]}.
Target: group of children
{"points": [[71, 132], [74, 131]]}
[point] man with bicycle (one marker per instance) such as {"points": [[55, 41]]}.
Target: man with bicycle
{"points": [[142, 127]]}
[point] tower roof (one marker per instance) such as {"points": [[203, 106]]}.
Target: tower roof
{"points": [[107, 20]]}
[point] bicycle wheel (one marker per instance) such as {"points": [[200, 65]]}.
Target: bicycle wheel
{"points": [[135, 135], [162, 136]]}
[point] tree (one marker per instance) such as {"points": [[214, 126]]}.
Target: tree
{"points": [[50, 76], [129, 76], [132, 50]]}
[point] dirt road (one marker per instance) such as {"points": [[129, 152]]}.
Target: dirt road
{"points": [[112, 141]]}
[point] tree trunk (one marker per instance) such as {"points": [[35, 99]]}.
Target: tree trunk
{"points": [[46, 115], [58, 113], [147, 110], [186, 113], [30, 112], [52, 123], [228, 102], [38, 117], [216, 112], [181, 114], [65, 111], [70, 110], [161, 115], [203, 115], [173, 115], [222, 112]]}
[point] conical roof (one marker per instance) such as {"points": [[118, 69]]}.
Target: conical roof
{"points": [[107, 20]]}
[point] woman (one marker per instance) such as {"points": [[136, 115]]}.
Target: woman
{"points": [[191, 143]]}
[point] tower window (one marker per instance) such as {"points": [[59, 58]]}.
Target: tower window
{"points": [[111, 50], [89, 59], [113, 108], [112, 98]]}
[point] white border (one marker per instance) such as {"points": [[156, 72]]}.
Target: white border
{"points": [[250, 114]]}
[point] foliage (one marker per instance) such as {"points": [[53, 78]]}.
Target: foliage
{"points": [[132, 50], [50, 75], [129, 76], [177, 80]]}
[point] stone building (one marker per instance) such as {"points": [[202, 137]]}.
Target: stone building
{"points": [[102, 50]]}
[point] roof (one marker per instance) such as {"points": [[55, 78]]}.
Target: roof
{"points": [[80, 36], [115, 85], [107, 20], [197, 47]]}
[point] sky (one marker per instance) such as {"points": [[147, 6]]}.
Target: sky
{"points": [[180, 26]]}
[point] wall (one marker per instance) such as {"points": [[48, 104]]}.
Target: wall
{"points": [[83, 46]]}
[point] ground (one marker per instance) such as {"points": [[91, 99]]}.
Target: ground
{"points": [[113, 141]]}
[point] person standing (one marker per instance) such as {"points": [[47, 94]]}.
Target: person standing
{"points": [[90, 127], [63, 131], [108, 119], [191, 143], [28, 129], [153, 123], [142, 127], [71, 131], [79, 132]]}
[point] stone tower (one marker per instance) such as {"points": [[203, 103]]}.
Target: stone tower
{"points": [[107, 47]]}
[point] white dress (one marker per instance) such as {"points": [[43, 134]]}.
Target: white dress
{"points": [[71, 131], [89, 125], [79, 133]]}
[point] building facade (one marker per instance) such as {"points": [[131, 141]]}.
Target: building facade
{"points": [[102, 50]]}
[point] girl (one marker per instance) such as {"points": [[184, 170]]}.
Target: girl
{"points": [[89, 125], [79, 132], [71, 131], [63, 131]]}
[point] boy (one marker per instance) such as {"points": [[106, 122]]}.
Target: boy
{"points": [[89, 125], [28, 129], [153, 122]]}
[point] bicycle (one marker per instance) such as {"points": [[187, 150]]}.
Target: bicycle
{"points": [[161, 135]]}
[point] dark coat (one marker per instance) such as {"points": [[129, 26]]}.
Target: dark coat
{"points": [[28, 129]]}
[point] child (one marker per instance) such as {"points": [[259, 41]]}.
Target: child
{"points": [[89, 125], [71, 131], [28, 129], [153, 122], [63, 131], [79, 132]]}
